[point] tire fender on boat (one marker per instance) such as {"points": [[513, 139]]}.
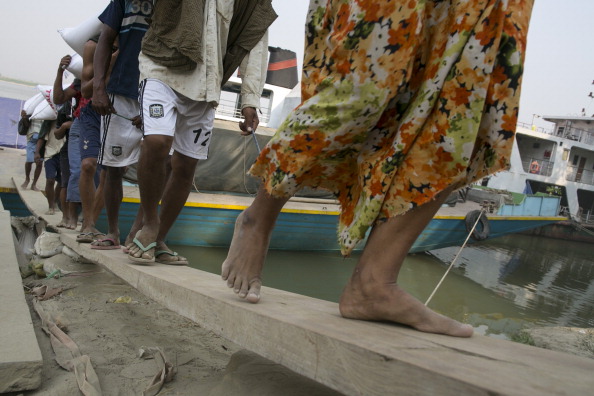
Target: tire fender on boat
{"points": [[482, 230]]}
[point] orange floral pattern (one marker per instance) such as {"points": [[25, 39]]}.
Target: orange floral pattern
{"points": [[400, 99]]}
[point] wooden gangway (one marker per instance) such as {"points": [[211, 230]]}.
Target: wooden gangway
{"points": [[308, 336]]}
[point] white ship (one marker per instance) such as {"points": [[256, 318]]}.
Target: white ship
{"points": [[558, 160]]}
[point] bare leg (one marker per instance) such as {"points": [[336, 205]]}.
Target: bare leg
{"points": [[99, 201], [36, 174], [373, 293], [136, 226], [27, 175], [176, 192], [57, 192], [87, 190], [72, 215], [151, 180], [65, 206], [112, 195], [242, 269], [139, 220], [49, 195]]}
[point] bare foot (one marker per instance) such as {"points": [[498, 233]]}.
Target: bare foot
{"points": [[51, 212], [388, 302], [25, 184], [242, 269], [34, 187]]}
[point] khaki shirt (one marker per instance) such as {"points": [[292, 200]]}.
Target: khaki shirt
{"points": [[34, 128], [203, 84], [53, 145]]}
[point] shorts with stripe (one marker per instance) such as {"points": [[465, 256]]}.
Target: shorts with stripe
{"points": [[120, 140], [90, 139]]}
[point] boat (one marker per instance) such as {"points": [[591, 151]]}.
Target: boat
{"points": [[556, 160], [222, 189], [306, 223]]}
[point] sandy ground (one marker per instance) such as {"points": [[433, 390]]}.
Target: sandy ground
{"points": [[111, 333]]}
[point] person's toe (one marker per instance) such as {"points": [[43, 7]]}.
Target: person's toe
{"points": [[253, 294], [225, 269]]}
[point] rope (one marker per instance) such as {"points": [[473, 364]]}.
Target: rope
{"points": [[581, 228], [455, 258], [245, 167]]}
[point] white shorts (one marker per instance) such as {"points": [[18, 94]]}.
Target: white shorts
{"points": [[166, 112], [120, 140]]}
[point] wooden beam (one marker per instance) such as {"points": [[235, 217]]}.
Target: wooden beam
{"points": [[308, 336]]}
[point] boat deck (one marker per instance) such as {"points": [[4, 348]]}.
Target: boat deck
{"points": [[308, 336]]}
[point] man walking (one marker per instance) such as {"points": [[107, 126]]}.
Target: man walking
{"points": [[190, 51]]}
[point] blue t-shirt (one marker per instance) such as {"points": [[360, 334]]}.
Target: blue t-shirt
{"points": [[128, 18]]}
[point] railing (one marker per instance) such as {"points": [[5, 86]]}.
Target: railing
{"points": [[543, 167], [588, 218], [570, 133], [578, 175], [535, 128], [228, 108]]}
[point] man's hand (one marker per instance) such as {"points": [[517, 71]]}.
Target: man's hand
{"points": [[250, 122], [37, 157], [137, 122], [61, 132], [101, 103], [24, 114], [64, 62]]}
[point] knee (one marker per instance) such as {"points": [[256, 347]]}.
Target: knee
{"points": [[157, 147], [183, 167], [114, 173], [88, 166]]}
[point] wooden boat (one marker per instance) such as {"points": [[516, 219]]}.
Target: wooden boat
{"points": [[309, 222], [208, 220]]}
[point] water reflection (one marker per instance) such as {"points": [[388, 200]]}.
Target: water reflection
{"points": [[498, 287], [551, 282]]}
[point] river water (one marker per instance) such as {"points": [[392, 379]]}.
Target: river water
{"points": [[499, 286]]}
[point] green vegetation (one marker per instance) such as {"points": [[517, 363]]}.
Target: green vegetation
{"points": [[523, 338]]}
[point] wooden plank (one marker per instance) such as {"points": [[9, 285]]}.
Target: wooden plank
{"points": [[308, 336]]}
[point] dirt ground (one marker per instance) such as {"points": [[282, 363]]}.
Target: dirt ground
{"points": [[110, 322]]}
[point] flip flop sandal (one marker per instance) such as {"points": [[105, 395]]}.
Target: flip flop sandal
{"points": [[85, 237], [113, 245], [145, 249], [172, 258]]}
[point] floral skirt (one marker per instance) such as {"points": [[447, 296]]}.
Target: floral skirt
{"points": [[400, 100]]}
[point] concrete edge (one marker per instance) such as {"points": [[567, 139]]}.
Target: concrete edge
{"points": [[21, 361]]}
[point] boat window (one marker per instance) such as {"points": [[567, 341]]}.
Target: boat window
{"points": [[576, 158]]}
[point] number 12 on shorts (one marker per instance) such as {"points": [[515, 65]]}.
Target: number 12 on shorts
{"points": [[199, 135]]}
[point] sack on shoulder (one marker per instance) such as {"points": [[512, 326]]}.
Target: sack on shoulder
{"points": [[23, 127]]}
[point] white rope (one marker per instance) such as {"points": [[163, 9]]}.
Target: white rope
{"points": [[579, 227], [245, 139], [455, 258]]}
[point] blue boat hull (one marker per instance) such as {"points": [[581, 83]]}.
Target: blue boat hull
{"points": [[212, 226]]}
